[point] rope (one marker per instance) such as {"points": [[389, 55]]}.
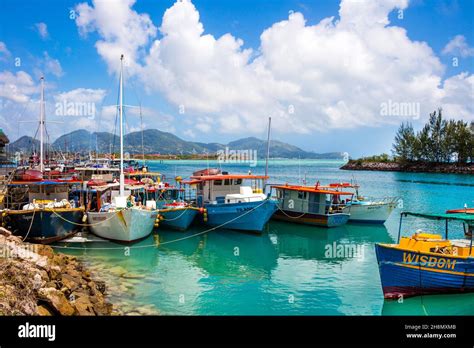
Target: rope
{"points": [[31, 224], [291, 217], [171, 241], [177, 217], [84, 225]]}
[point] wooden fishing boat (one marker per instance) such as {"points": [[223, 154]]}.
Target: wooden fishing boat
{"points": [[234, 201], [364, 210], [47, 215], [426, 263], [176, 203], [38, 208], [311, 205]]}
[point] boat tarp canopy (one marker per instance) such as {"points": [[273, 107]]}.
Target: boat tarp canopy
{"points": [[457, 216]]}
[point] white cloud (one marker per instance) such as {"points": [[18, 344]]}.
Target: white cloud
{"points": [[334, 74], [17, 87], [458, 46], [81, 95], [4, 52], [123, 31], [42, 29], [51, 66]]}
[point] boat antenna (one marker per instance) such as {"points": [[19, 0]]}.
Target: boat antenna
{"points": [[268, 145], [122, 176]]}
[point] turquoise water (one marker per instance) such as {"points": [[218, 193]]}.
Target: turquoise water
{"points": [[285, 270]]}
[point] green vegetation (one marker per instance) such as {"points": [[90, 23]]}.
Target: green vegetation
{"points": [[383, 158], [439, 141]]}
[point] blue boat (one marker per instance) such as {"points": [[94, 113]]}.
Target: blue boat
{"points": [[177, 217], [233, 201], [246, 216], [427, 263]]}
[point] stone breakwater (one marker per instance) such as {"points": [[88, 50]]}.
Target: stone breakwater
{"points": [[34, 280], [445, 168]]}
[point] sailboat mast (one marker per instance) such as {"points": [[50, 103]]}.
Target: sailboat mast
{"points": [[122, 177], [141, 126], [42, 126], [268, 145]]}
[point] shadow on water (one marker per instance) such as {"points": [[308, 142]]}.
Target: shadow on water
{"points": [[312, 242], [225, 252], [459, 304]]}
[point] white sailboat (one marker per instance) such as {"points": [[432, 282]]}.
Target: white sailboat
{"points": [[119, 222]]}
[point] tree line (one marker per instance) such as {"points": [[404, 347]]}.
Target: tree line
{"points": [[439, 141]]}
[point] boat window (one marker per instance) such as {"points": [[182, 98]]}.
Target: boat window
{"points": [[302, 195], [227, 182], [237, 181], [217, 182]]}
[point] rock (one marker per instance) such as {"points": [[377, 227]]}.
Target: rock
{"points": [[34, 280], [44, 250], [55, 272], [5, 232], [57, 300], [70, 282], [83, 306], [132, 276], [100, 285], [117, 271], [15, 239], [43, 311]]}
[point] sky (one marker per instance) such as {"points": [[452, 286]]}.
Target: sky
{"points": [[333, 75]]}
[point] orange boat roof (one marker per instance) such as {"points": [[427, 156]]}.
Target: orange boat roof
{"points": [[312, 189], [461, 210], [225, 176], [340, 184]]}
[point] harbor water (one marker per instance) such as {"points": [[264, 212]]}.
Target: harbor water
{"points": [[289, 269]]}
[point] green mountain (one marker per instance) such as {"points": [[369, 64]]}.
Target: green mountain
{"points": [[25, 144], [158, 142]]}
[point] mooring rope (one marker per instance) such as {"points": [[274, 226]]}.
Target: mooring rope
{"points": [[170, 241]]}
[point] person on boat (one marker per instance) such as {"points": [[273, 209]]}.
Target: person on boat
{"points": [[131, 201], [92, 205]]}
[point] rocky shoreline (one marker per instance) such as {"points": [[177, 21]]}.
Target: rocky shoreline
{"points": [[34, 280], [416, 167]]}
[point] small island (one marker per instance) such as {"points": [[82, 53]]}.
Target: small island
{"points": [[441, 146]]}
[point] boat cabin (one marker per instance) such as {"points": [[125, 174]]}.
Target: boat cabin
{"points": [[306, 199], [227, 188]]}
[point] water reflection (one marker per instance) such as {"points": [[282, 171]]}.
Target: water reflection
{"points": [[459, 304]]}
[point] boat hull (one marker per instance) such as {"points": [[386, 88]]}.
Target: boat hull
{"points": [[376, 213], [47, 226], [178, 218], [332, 220], [408, 273], [246, 216], [127, 225]]}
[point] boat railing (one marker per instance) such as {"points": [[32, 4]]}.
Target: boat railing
{"points": [[379, 200]]}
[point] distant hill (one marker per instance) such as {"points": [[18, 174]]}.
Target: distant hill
{"points": [[158, 142], [25, 144]]}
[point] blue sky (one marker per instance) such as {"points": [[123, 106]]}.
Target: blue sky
{"points": [[326, 117]]}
